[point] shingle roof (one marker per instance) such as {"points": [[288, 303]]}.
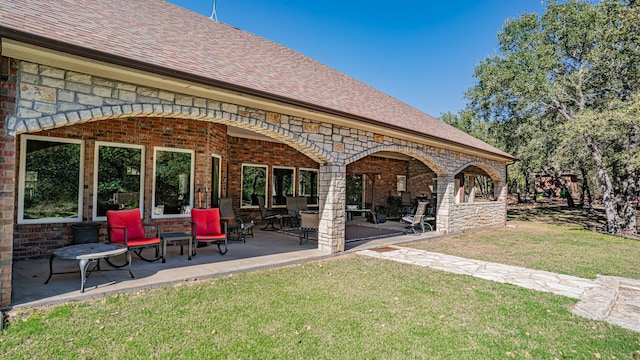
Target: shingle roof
{"points": [[167, 36]]}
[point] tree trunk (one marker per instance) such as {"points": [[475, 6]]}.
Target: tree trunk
{"points": [[585, 189], [629, 207], [608, 195]]}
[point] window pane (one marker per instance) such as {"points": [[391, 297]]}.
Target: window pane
{"points": [[173, 192], [120, 174], [309, 186], [282, 182], [52, 179], [254, 184]]}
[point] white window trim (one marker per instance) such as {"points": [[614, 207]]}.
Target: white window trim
{"points": [[293, 171], [317, 184], [266, 185], [22, 173], [95, 216], [191, 183]]}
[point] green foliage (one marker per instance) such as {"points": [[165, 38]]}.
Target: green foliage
{"points": [[52, 184], [254, 182], [119, 171], [576, 58], [173, 177]]}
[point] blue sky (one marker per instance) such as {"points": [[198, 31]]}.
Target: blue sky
{"points": [[421, 52]]}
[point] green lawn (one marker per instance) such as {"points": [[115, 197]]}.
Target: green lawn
{"points": [[348, 307], [567, 249]]}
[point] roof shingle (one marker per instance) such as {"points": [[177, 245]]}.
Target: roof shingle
{"points": [[167, 36]]}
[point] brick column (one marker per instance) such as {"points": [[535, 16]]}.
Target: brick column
{"points": [[332, 192], [446, 200], [7, 178]]}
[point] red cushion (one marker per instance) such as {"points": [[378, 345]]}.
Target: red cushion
{"points": [[129, 219], [143, 241], [207, 221]]}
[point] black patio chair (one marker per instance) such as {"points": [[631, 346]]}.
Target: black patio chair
{"points": [[267, 216]]}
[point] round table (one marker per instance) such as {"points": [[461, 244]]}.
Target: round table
{"points": [[87, 253]]}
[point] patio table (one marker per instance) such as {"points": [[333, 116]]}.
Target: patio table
{"points": [[182, 236], [88, 253]]}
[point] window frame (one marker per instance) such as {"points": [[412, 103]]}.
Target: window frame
{"points": [[22, 179], [293, 183], [266, 185], [317, 171], [156, 149], [97, 145]]}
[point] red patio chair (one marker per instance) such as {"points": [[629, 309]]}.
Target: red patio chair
{"points": [[125, 227], [206, 227]]}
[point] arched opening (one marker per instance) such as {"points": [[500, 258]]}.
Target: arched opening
{"points": [[473, 184], [389, 184]]}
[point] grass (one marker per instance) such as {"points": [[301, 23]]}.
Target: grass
{"points": [[353, 307], [565, 249]]}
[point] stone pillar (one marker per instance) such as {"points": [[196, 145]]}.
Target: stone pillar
{"points": [[472, 189], [446, 200], [7, 177], [332, 191]]}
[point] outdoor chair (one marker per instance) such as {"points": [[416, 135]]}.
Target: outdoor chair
{"points": [[309, 223], [207, 227], [238, 226], [124, 227], [268, 216], [292, 215], [417, 221], [407, 204]]}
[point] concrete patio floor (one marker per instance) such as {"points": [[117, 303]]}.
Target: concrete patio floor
{"points": [[266, 249]]}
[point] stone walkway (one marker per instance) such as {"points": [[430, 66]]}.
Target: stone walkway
{"points": [[608, 298]]}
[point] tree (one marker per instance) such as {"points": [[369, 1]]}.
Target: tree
{"points": [[574, 61]]}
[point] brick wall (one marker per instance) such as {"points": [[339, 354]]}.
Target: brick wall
{"points": [[386, 183], [8, 85], [258, 152], [36, 240]]}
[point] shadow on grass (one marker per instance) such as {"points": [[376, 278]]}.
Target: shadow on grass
{"points": [[555, 212]]}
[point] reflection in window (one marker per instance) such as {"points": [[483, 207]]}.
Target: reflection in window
{"points": [[172, 182], [51, 180], [282, 182], [120, 178], [254, 184], [309, 185]]}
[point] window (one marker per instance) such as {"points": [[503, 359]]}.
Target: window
{"points": [[216, 160], [308, 185], [254, 184], [51, 175], [119, 180], [283, 184], [172, 182]]}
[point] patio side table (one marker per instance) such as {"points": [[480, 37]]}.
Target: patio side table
{"points": [[173, 236], [88, 253]]}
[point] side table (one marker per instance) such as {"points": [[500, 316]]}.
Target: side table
{"points": [[88, 253], [176, 236]]}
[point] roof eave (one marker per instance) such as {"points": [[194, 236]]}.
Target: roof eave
{"points": [[60, 46]]}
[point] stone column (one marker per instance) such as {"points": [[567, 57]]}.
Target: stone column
{"points": [[446, 200], [7, 178], [472, 189], [332, 192]]}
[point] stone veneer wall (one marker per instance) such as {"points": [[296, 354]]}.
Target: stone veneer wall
{"points": [[471, 216]]}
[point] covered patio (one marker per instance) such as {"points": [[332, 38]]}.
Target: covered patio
{"points": [[266, 249]]}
